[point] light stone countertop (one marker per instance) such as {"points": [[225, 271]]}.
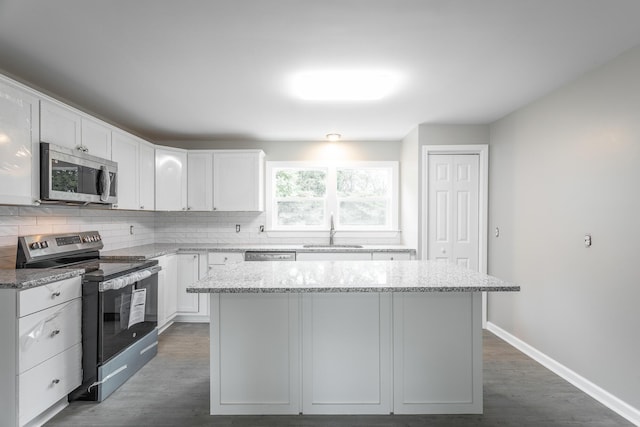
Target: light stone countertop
{"points": [[346, 276], [145, 252], [25, 278]]}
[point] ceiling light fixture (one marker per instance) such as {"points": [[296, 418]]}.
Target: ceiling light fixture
{"points": [[344, 85], [333, 137]]}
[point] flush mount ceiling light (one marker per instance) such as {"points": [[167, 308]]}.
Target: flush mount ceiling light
{"points": [[344, 85], [333, 137]]}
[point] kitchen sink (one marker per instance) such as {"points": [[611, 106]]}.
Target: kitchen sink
{"points": [[333, 246]]}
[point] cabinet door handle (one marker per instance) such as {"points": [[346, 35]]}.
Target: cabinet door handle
{"points": [[55, 332], [142, 207], [55, 294], [55, 381]]}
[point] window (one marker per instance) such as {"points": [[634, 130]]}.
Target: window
{"points": [[359, 195]]}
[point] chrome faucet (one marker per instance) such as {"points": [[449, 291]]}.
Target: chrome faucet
{"points": [[332, 231]]}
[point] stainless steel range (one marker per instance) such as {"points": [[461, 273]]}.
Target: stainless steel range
{"points": [[119, 307]]}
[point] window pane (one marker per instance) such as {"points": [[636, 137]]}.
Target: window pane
{"points": [[363, 212], [363, 182], [301, 183], [300, 212]]}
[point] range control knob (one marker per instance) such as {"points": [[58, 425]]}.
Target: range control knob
{"points": [[44, 244], [35, 245]]}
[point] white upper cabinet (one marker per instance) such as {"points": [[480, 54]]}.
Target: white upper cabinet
{"points": [[238, 180], [19, 151], [147, 174], [171, 179], [95, 138], [199, 180], [65, 127], [124, 151], [136, 171], [60, 125]]}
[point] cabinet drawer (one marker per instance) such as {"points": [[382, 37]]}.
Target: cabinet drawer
{"points": [[390, 256], [50, 381], [48, 332], [222, 258], [36, 299]]}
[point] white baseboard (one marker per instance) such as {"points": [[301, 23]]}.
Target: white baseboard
{"points": [[609, 400]]}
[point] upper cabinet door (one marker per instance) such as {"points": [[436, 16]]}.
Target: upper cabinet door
{"points": [[59, 125], [200, 181], [19, 154], [124, 151], [96, 138], [147, 164], [171, 179], [238, 180]]}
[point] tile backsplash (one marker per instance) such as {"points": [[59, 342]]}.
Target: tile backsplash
{"points": [[148, 227], [113, 225]]}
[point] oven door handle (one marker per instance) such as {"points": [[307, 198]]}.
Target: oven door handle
{"points": [[127, 279]]}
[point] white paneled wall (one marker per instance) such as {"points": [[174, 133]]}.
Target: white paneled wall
{"points": [[113, 225]]}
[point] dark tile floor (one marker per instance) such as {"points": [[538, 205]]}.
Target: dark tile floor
{"points": [[173, 390]]}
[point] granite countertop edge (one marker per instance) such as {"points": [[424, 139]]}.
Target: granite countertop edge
{"points": [[382, 289], [27, 278], [144, 252]]}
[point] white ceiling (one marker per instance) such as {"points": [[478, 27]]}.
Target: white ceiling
{"points": [[218, 69]]}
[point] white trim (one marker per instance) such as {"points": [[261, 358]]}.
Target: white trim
{"points": [[482, 150], [601, 395]]}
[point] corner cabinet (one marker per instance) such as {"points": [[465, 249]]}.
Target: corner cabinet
{"points": [[167, 290], [171, 179], [238, 180], [41, 352], [191, 307], [19, 149]]}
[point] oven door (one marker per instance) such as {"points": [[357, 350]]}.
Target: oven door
{"points": [[126, 315]]}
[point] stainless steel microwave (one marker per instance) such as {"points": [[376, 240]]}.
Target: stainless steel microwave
{"points": [[72, 176]]}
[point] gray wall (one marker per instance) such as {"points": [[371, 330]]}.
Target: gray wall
{"points": [[431, 134], [410, 189], [567, 165]]}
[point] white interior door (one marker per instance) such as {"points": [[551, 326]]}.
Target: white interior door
{"points": [[453, 209]]}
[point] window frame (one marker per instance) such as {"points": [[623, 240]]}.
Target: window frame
{"points": [[332, 200]]}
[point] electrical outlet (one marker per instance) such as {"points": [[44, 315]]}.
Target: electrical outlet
{"points": [[587, 240], [237, 228]]}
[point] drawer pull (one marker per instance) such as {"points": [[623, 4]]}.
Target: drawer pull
{"points": [[55, 294], [55, 381], [55, 332]]}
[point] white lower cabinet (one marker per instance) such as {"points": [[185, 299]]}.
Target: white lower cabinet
{"points": [[437, 353], [167, 290], [41, 352], [191, 307], [257, 370], [346, 353]]}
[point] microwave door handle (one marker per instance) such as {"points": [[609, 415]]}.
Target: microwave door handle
{"points": [[105, 183]]}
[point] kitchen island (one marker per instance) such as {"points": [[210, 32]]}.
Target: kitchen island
{"points": [[346, 337]]}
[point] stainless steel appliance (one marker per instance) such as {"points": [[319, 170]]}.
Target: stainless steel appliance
{"points": [[269, 256], [119, 307], [74, 176]]}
